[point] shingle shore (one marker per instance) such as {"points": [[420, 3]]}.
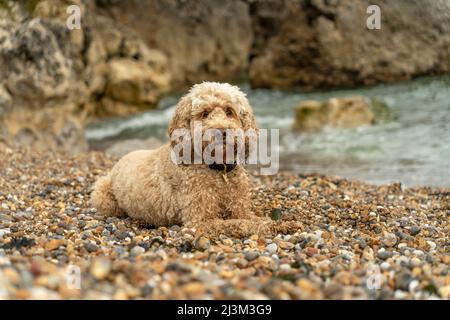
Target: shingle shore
{"points": [[357, 240]]}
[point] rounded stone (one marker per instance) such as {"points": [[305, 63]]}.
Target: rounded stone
{"points": [[271, 248]]}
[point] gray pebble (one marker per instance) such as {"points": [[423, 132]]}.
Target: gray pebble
{"points": [[415, 230], [136, 251], [90, 247], [251, 255], [385, 266], [384, 254], [272, 248], [402, 281], [106, 233], [120, 250]]}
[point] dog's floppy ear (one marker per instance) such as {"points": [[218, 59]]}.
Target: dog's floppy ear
{"points": [[248, 125], [181, 120], [181, 116], [247, 117]]}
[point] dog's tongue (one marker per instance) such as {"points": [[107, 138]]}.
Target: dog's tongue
{"points": [[221, 166]]}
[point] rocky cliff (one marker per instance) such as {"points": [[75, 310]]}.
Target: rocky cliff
{"points": [[326, 43], [53, 79], [202, 39]]}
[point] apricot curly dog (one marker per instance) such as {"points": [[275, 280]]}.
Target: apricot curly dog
{"points": [[149, 186]]}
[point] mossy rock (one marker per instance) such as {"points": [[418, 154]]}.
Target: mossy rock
{"points": [[5, 5], [381, 110], [27, 5], [30, 5]]}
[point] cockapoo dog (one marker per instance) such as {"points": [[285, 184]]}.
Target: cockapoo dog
{"points": [[150, 186]]}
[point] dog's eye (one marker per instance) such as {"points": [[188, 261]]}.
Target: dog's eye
{"points": [[205, 114], [229, 112]]}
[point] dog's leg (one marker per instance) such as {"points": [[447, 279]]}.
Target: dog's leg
{"points": [[103, 199], [198, 209], [239, 207], [239, 201]]}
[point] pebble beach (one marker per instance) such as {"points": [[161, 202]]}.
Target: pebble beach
{"points": [[355, 241]]}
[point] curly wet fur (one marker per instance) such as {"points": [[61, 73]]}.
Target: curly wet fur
{"points": [[147, 185]]}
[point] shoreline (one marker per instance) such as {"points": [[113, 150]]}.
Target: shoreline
{"points": [[354, 235]]}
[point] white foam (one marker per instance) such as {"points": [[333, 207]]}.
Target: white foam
{"points": [[115, 128]]}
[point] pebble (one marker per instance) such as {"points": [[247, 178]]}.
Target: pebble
{"points": [[4, 261], [362, 243], [4, 232], [385, 266], [310, 252], [398, 294], [402, 245], [415, 230], [429, 258], [285, 267], [384, 254], [227, 242], [119, 250], [100, 268], [368, 254], [390, 239], [347, 254], [242, 263], [403, 280], [432, 245], [445, 292], [419, 253], [415, 262], [137, 251], [271, 248], [54, 244], [267, 263], [286, 245], [402, 261], [251, 255], [202, 243], [91, 247]]}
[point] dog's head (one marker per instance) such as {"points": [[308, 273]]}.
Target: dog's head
{"points": [[222, 115]]}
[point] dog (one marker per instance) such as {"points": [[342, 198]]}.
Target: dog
{"points": [[154, 187]]}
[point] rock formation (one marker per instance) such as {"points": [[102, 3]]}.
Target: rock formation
{"points": [[347, 112], [326, 43], [203, 40], [53, 80]]}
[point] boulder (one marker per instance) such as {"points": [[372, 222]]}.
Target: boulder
{"points": [[108, 49], [324, 43], [349, 112], [267, 17], [203, 40], [40, 87], [54, 80], [133, 82]]}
